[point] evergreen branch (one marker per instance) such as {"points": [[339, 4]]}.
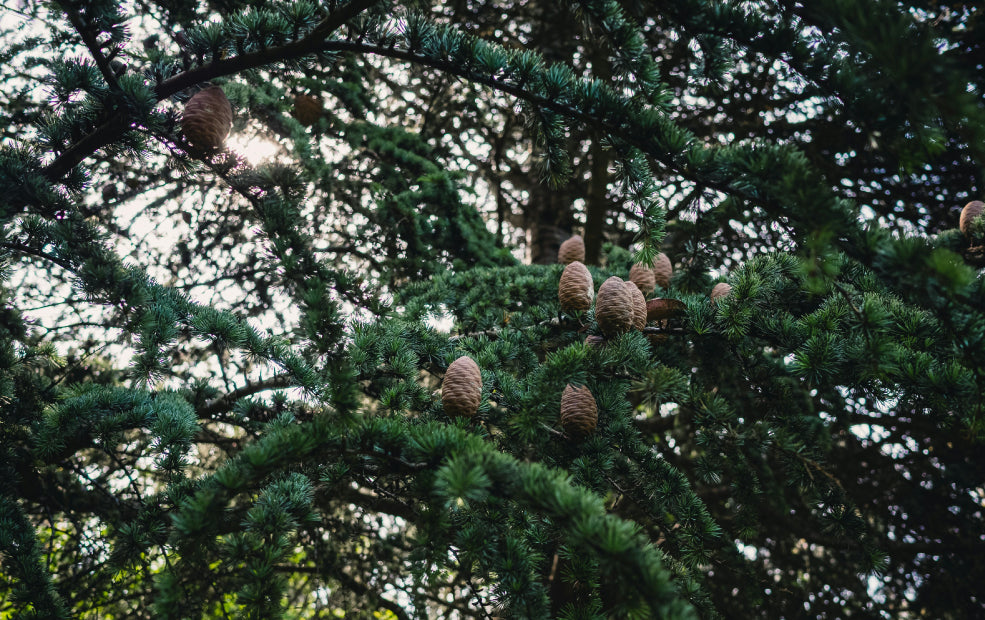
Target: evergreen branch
{"points": [[26, 249], [387, 505], [21, 549], [227, 401], [113, 128], [354, 585], [497, 331], [95, 50], [628, 130], [102, 136], [468, 581], [631, 132]]}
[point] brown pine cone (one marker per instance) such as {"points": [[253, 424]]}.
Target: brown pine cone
{"points": [[572, 250], [579, 413], [662, 270], [721, 290], [461, 389], [307, 109], [576, 288], [662, 309], [643, 277], [614, 308], [207, 120], [971, 210], [639, 305]]}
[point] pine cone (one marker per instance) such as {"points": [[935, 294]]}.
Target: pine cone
{"points": [[971, 210], [461, 389], [662, 309], [571, 250], [662, 270], [639, 305], [579, 413], [576, 288], [614, 307], [643, 277], [207, 120], [307, 109], [721, 290]]}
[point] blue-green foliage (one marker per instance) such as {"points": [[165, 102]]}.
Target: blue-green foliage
{"points": [[780, 447]]}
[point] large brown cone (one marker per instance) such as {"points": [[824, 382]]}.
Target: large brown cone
{"points": [[579, 413], [971, 210], [576, 288], [643, 277], [614, 307], [307, 109], [639, 305], [572, 250], [461, 389], [722, 289], [207, 120]]}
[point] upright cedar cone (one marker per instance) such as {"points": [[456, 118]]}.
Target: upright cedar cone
{"points": [[462, 388], [576, 288], [579, 413], [971, 210], [662, 270], [572, 250], [639, 305], [307, 109], [643, 277], [207, 120], [722, 289], [614, 308]]}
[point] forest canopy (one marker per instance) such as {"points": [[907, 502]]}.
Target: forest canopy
{"points": [[485, 309]]}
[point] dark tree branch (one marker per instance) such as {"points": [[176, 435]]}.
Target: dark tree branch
{"points": [[224, 403], [112, 129], [75, 18]]}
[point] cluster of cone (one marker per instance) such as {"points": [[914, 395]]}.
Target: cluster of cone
{"points": [[620, 306], [461, 393]]}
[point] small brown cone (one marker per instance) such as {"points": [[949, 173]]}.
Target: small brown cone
{"points": [[579, 413], [572, 250], [576, 288], [307, 109], [461, 389], [207, 120], [971, 210], [643, 277], [721, 290], [662, 270], [639, 305], [614, 308]]}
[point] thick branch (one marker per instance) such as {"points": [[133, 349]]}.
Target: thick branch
{"points": [[226, 402], [90, 42], [112, 129]]}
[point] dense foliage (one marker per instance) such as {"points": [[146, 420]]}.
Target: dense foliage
{"points": [[220, 372]]}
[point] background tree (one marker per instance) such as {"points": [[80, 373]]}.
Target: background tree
{"points": [[220, 370]]}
